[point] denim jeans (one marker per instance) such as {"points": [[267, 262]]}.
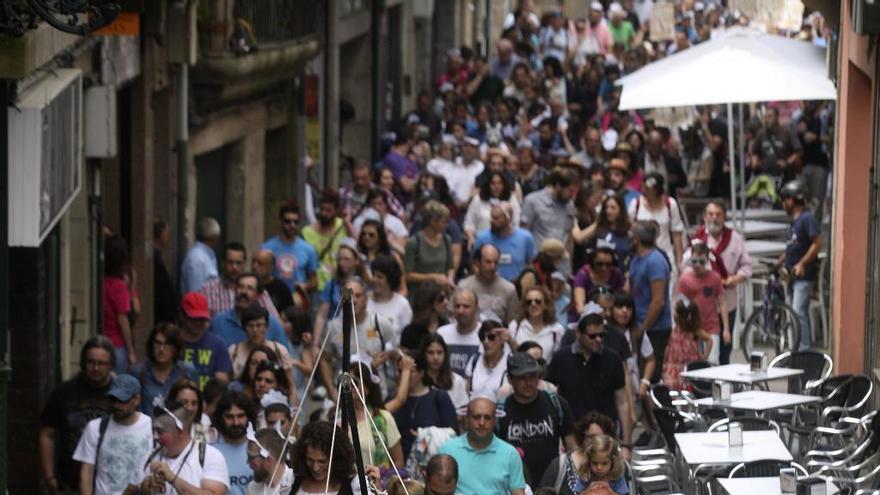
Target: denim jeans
{"points": [[800, 302]]}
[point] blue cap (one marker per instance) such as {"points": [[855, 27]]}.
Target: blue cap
{"points": [[124, 387]]}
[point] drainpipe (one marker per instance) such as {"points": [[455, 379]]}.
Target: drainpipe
{"points": [[182, 160], [375, 78], [6, 93]]}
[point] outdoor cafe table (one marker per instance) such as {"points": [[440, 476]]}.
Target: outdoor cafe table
{"points": [[762, 486], [713, 448], [740, 373], [759, 401]]}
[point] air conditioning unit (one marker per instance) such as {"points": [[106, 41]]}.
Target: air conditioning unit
{"points": [[45, 155], [866, 17]]}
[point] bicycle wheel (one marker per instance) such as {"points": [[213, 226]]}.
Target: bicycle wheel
{"points": [[774, 332]]}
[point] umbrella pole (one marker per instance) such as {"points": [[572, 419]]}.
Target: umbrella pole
{"points": [[742, 165], [730, 147]]}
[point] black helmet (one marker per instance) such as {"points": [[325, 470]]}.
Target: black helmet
{"points": [[794, 189]]}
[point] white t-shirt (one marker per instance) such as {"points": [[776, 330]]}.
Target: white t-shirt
{"points": [[393, 225], [645, 350], [122, 448], [485, 379], [479, 214], [370, 341], [262, 488], [549, 337], [459, 176], [187, 467], [396, 309], [461, 347]]}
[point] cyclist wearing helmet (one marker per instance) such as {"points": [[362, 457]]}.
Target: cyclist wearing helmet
{"points": [[801, 255]]}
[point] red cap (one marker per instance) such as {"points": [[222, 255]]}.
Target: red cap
{"points": [[195, 305]]}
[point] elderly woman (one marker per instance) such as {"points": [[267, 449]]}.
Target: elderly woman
{"points": [[429, 253], [255, 320], [163, 367]]}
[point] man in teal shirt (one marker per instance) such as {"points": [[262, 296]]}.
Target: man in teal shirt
{"points": [[487, 464]]}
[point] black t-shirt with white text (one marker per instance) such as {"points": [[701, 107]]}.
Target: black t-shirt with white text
{"points": [[536, 430]]}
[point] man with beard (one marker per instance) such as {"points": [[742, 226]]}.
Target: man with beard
{"points": [[181, 465], [220, 291], [516, 246], [326, 234], [227, 325], [776, 149], [70, 408], [549, 213], [271, 475], [618, 177], [354, 195], [801, 255], [111, 446], [234, 412], [729, 258], [296, 261], [668, 166]]}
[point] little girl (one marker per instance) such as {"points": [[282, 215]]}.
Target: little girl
{"points": [[684, 343], [604, 466]]}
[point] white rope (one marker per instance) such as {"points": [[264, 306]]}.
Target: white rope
{"points": [[306, 393], [381, 440], [333, 441], [357, 350]]}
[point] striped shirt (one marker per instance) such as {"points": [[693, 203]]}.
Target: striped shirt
{"points": [[220, 298]]}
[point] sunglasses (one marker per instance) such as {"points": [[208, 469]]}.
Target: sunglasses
{"points": [[290, 221], [603, 264], [368, 234], [594, 336], [490, 336], [529, 302], [699, 261]]}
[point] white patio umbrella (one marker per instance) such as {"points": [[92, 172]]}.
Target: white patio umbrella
{"points": [[741, 67]]}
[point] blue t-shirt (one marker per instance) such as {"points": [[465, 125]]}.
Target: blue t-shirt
{"points": [[517, 251], [331, 294], [226, 326], [294, 261], [619, 486], [642, 271], [240, 474], [801, 233], [151, 387], [496, 469], [208, 355]]}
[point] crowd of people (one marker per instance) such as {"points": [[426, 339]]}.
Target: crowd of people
{"points": [[520, 274]]}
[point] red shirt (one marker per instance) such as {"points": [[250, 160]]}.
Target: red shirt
{"points": [[117, 300], [704, 292]]}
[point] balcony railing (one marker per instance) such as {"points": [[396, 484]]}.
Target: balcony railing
{"points": [[278, 21]]}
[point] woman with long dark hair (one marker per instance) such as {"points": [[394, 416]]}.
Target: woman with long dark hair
{"points": [[641, 362], [439, 371], [310, 459], [430, 312], [612, 225], [385, 298], [496, 188], [537, 322], [426, 405], [258, 356]]}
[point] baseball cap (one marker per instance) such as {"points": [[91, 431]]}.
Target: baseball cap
{"points": [[615, 9], [471, 141], [597, 6], [195, 305], [553, 247], [522, 363], [124, 387]]}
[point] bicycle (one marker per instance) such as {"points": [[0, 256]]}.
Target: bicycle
{"points": [[773, 328]]}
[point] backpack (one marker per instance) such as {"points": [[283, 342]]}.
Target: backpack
{"points": [[202, 449]]}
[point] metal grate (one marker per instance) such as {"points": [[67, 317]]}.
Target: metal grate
{"points": [[279, 21]]}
